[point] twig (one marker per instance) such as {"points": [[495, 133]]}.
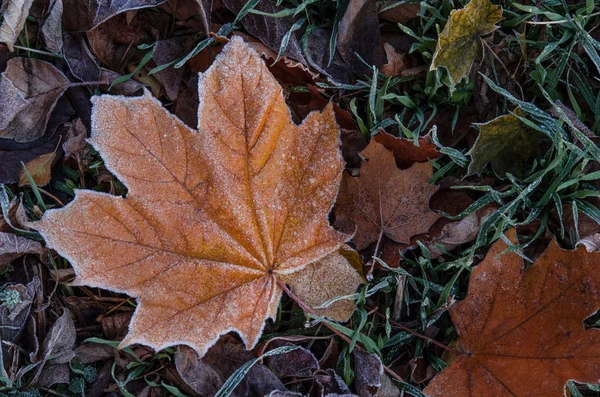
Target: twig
{"points": [[419, 335]]}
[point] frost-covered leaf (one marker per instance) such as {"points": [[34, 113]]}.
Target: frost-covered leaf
{"points": [[13, 247], [85, 15], [213, 218], [384, 199], [14, 15], [459, 44], [30, 90]]}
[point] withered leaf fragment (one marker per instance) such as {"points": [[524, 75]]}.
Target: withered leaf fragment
{"points": [[14, 15], [384, 199], [459, 44], [85, 15], [29, 90], [521, 330], [212, 217]]}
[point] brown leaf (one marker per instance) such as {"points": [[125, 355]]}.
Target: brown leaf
{"points": [[80, 60], [13, 318], [166, 51], [368, 371], [405, 151], [85, 15], [114, 41], [299, 363], [359, 35], [521, 330], [401, 13], [211, 219], [39, 169], [395, 61], [14, 15], [57, 352], [38, 86], [318, 283], [330, 384], [204, 8], [75, 141], [458, 232], [198, 375], [52, 28], [269, 30], [13, 247], [385, 200]]}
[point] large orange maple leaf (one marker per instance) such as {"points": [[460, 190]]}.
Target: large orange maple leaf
{"points": [[212, 217], [521, 330]]}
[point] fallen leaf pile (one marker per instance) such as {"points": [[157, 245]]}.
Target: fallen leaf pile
{"points": [[212, 217]]}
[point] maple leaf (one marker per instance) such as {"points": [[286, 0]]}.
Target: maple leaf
{"points": [[384, 200], [521, 330], [505, 142], [212, 218], [459, 44]]}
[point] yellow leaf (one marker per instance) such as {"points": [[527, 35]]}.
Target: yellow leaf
{"points": [[213, 218], [459, 44]]}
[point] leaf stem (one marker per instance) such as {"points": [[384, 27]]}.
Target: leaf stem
{"points": [[419, 335]]}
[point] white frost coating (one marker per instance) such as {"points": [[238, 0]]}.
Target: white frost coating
{"points": [[166, 280]]}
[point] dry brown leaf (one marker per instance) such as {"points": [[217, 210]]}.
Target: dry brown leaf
{"points": [[264, 28], [405, 150], [39, 169], [13, 247], [319, 282], [401, 12], [212, 218], [85, 15], [357, 47], [52, 28], [75, 141], [384, 200], [395, 61], [521, 330], [14, 15], [34, 88]]}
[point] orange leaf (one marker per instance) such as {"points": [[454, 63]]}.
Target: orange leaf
{"points": [[521, 330], [213, 217], [405, 151], [384, 199]]}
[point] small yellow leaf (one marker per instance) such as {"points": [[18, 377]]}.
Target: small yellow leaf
{"points": [[459, 43], [39, 168]]}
